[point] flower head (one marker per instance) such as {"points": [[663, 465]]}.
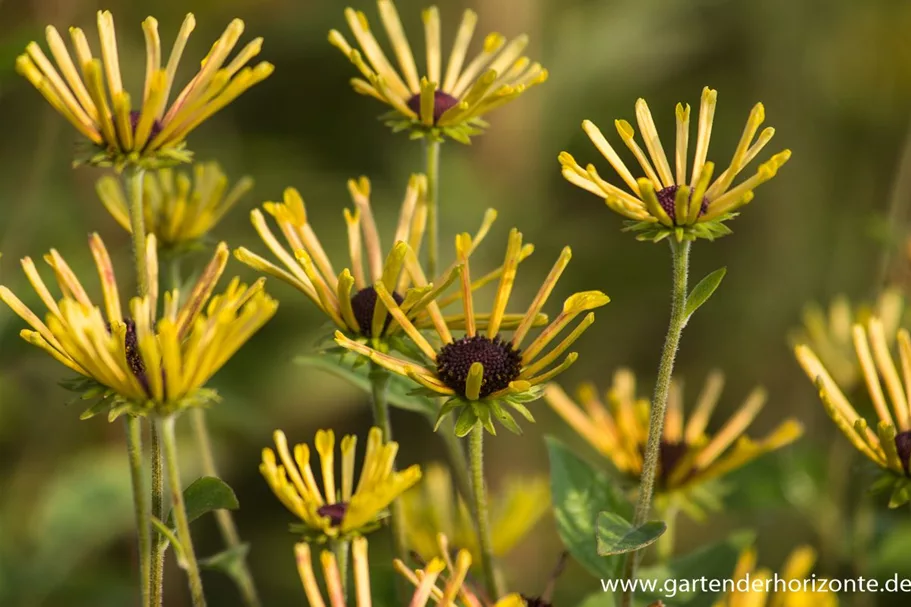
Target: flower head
{"points": [[432, 507], [442, 581], [133, 362], [829, 332], [350, 298], [793, 587], [437, 104], [689, 455], [483, 370], [665, 203], [179, 209], [889, 447], [150, 133], [336, 512]]}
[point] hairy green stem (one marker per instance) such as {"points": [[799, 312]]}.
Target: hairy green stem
{"points": [[432, 149], [680, 255], [134, 452], [379, 383], [482, 515], [179, 509], [160, 546], [340, 549], [149, 561], [225, 520]]}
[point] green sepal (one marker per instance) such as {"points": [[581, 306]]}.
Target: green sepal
{"points": [[655, 232], [448, 407], [101, 156], [315, 536], [616, 535], [482, 413], [505, 418], [466, 421], [461, 133]]}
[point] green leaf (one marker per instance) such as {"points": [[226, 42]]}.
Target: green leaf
{"points": [[451, 405], [505, 418], [616, 535], [579, 493], [702, 291], [716, 561], [204, 495], [230, 561], [397, 391], [171, 536], [467, 420]]}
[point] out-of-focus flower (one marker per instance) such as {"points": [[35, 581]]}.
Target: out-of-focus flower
{"points": [[442, 581], [679, 204], [90, 94], [437, 104], [433, 507], [830, 337], [335, 587], [349, 298], [889, 447], [482, 371], [689, 455], [179, 209], [132, 362], [793, 587], [338, 511]]}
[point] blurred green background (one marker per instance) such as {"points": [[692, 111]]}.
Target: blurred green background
{"points": [[835, 78]]}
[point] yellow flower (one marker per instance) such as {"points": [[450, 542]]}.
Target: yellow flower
{"points": [[689, 455], [437, 104], [432, 507], [149, 133], [349, 299], [142, 365], [792, 588], [829, 335], [179, 209], [449, 591], [889, 447], [481, 370], [665, 203], [337, 511]]}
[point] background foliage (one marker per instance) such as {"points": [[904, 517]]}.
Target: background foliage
{"points": [[836, 81]]}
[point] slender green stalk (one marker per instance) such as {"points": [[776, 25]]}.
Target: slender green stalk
{"points": [[340, 549], [151, 560], [160, 543], [225, 520], [482, 516], [680, 255], [379, 381], [134, 452], [180, 512], [897, 218], [134, 179], [432, 149]]}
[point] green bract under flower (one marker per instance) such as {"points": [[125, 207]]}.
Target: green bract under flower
{"points": [[147, 134], [672, 203], [437, 104], [484, 374]]}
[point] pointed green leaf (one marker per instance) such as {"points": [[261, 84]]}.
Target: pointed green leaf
{"points": [[204, 495], [171, 536], [451, 405], [702, 291], [397, 391], [579, 493], [505, 418], [230, 561], [616, 535], [467, 420]]}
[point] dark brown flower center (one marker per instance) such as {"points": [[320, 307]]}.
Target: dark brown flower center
{"points": [[535, 601], [666, 198], [502, 363], [134, 123], [364, 303], [441, 102], [669, 455], [132, 353], [335, 512], [903, 445]]}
